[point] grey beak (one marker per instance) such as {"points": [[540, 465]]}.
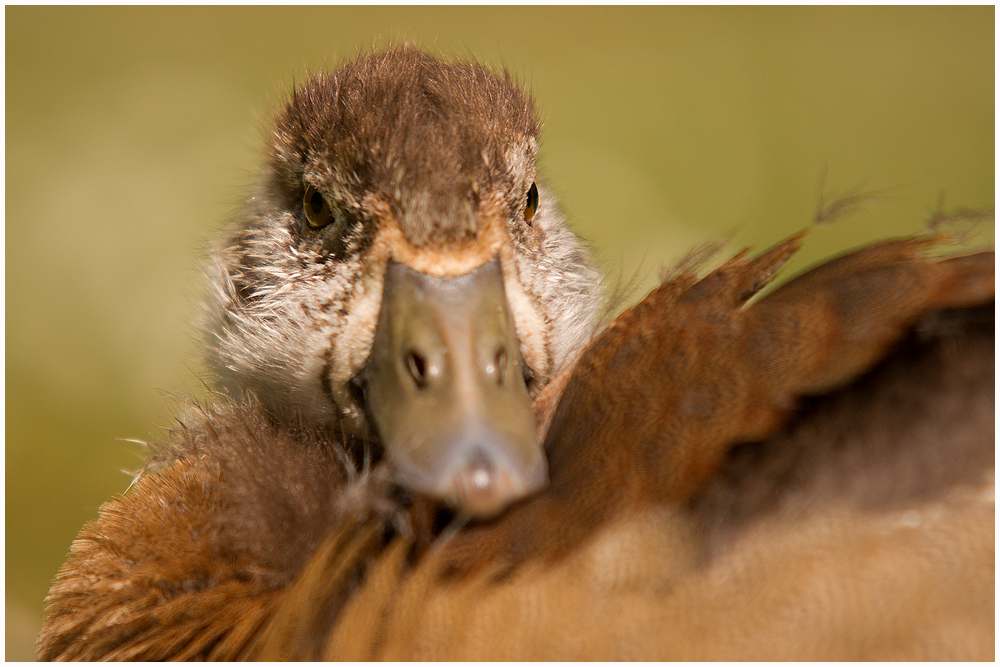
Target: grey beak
{"points": [[445, 388]]}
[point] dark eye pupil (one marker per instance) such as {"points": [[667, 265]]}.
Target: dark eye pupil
{"points": [[316, 203], [531, 204]]}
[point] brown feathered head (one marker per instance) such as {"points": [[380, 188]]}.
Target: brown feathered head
{"points": [[399, 273]]}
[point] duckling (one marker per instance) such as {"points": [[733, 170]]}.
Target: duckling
{"points": [[399, 274], [673, 485]]}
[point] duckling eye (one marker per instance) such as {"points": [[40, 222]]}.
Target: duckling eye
{"points": [[317, 210], [531, 205]]}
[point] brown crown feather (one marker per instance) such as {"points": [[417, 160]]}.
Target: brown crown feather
{"points": [[401, 124]]}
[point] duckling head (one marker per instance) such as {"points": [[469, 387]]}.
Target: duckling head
{"points": [[398, 274]]}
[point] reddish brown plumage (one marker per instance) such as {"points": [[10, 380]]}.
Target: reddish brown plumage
{"points": [[638, 449], [658, 399]]}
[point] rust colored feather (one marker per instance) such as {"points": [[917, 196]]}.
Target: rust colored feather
{"points": [[640, 451], [656, 402]]}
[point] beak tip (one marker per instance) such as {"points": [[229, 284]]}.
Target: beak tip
{"points": [[479, 484], [483, 487], [484, 495]]}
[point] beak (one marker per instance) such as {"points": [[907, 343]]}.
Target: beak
{"points": [[445, 388]]}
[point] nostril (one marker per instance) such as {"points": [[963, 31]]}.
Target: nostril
{"points": [[500, 364], [416, 364]]}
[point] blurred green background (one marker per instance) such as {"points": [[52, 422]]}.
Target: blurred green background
{"points": [[131, 132]]}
